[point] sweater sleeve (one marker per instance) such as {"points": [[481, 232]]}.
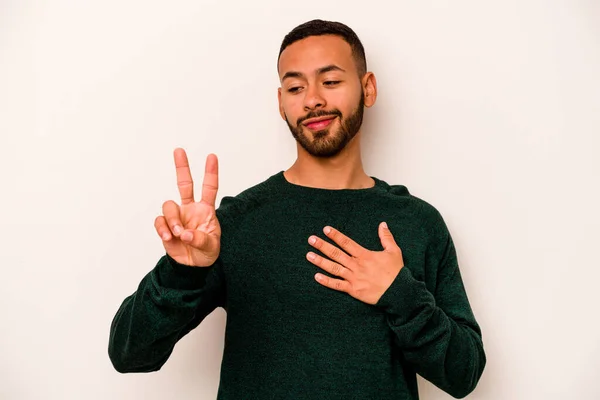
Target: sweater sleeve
{"points": [[170, 301], [437, 332]]}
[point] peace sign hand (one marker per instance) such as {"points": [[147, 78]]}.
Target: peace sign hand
{"points": [[191, 233]]}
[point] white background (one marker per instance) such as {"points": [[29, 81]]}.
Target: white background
{"points": [[489, 110]]}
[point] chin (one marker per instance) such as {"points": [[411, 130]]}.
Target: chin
{"points": [[325, 150]]}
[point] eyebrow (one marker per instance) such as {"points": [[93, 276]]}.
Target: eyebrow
{"points": [[322, 70]]}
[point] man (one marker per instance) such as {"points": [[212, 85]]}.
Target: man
{"points": [[336, 284]]}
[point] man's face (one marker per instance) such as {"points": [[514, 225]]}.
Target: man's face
{"points": [[321, 96]]}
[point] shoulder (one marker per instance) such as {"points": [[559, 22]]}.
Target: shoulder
{"points": [[428, 216], [234, 208]]}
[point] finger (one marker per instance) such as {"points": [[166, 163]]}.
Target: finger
{"points": [[331, 251], [335, 284], [347, 244], [185, 184], [210, 185], [195, 238], [170, 210], [328, 265], [160, 223], [387, 239]]}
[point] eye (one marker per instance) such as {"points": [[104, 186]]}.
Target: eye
{"points": [[294, 89], [331, 83]]}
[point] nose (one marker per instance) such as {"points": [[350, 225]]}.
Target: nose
{"points": [[313, 99]]}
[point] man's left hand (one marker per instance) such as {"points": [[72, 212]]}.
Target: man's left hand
{"points": [[365, 274]]}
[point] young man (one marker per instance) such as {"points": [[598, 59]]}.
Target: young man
{"points": [[336, 284]]}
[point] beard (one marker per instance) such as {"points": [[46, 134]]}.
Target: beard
{"points": [[326, 143]]}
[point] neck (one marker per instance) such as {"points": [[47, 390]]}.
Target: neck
{"points": [[343, 171]]}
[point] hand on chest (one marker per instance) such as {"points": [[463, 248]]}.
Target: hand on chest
{"points": [[347, 268]]}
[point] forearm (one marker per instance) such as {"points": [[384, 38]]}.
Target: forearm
{"points": [[446, 350], [170, 301]]}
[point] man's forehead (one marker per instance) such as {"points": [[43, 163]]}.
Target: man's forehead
{"points": [[314, 52]]}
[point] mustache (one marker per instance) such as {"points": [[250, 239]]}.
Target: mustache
{"points": [[320, 113]]}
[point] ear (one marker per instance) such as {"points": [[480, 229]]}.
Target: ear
{"points": [[369, 83], [281, 112]]}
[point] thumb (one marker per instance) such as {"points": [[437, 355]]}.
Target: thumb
{"points": [[387, 239], [194, 238]]}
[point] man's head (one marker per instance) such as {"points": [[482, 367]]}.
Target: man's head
{"points": [[324, 86], [319, 27]]}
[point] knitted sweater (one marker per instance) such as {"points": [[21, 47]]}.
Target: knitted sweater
{"points": [[287, 336]]}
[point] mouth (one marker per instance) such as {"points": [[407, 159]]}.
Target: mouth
{"points": [[316, 124]]}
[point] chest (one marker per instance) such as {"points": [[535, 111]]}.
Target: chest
{"points": [[268, 273]]}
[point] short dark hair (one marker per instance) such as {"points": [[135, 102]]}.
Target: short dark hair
{"points": [[319, 27]]}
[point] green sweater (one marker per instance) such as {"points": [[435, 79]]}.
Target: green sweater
{"points": [[287, 336]]}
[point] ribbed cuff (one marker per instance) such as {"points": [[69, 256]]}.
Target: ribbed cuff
{"points": [[405, 296], [174, 275]]}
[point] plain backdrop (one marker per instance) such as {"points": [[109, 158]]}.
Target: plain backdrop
{"points": [[489, 110]]}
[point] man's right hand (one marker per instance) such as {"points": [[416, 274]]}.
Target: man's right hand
{"points": [[191, 233]]}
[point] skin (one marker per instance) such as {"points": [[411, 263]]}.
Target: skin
{"points": [[362, 273], [319, 78], [190, 232], [306, 90]]}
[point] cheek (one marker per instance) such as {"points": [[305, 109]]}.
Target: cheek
{"points": [[344, 100], [292, 108], [349, 104]]}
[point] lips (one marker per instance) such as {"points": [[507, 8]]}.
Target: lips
{"points": [[319, 123]]}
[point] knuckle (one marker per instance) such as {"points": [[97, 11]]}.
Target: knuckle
{"points": [[336, 269], [184, 199], [185, 182], [169, 208], [335, 254]]}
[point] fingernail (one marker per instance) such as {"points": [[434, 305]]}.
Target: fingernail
{"points": [[165, 236], [327, 230], [311, 256], [177, 229], [187, 236], [312, 240], [384, 225]]}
